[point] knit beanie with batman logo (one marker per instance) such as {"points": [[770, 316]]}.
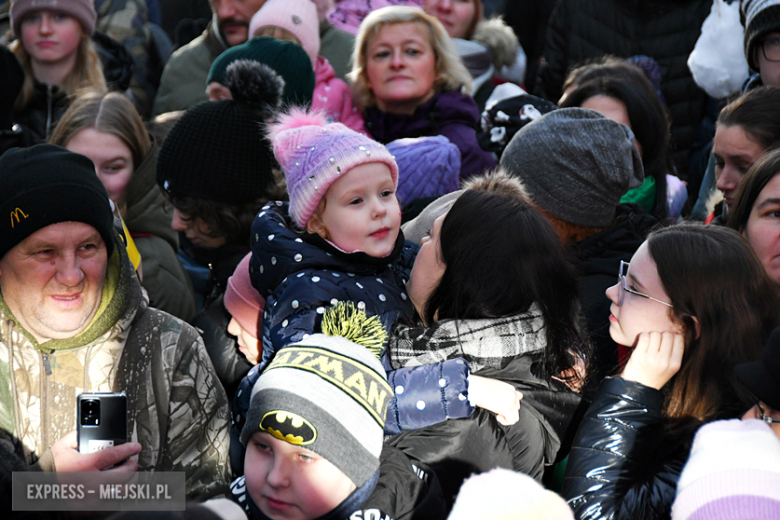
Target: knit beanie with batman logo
{"points": [[328, 394]]}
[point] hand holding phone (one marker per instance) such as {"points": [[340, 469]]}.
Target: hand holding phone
{"points": [[67, 458]]}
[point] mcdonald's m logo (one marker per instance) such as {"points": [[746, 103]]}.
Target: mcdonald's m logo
{"points": [[15, 213]]}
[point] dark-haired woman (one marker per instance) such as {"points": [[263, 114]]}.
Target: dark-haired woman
{"points": [[756, 213], [620, 91], [693, 303], [746, 128], [497, 298]]}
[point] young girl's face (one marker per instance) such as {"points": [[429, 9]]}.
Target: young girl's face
{"points": [[638, 314], [247, 343], [290, 482], [51, 37], [401, 67], [360, 211], [112, 157]]}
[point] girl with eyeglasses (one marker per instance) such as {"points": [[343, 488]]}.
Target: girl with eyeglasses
{"points": [[693, 303]]}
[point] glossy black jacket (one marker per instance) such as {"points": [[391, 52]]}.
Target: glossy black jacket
{"points": [[622, 464]]}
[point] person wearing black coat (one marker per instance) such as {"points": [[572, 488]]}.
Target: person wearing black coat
{"points": [[665, 30]]}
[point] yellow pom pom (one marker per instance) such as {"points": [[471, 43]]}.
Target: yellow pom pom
{"points": [[344, 319]]}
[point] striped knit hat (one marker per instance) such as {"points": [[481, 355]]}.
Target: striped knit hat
{"points": [[328, 395], [733, 471], [314, 153], [761, 17]]}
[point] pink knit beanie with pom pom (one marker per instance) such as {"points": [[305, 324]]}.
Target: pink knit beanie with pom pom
{"points": [[314, 153]]}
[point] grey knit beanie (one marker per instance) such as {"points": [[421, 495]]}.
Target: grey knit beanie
{"points": [[576, 164], [760, 18], [328, 395]]}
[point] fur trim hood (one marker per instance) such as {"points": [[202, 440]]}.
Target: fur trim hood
{"points": [[500, 39]]}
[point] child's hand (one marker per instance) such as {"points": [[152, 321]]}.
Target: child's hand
{"points": [[655, 359], [498, 397]]}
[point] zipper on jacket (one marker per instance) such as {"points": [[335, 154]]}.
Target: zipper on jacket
{"points": [[46, 364], [45, 397]]}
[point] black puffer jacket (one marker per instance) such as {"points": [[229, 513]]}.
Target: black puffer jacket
{"points": [[665, 30], [598, 260], [622, 465]]}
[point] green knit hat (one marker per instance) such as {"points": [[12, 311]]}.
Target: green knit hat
{"points": [[288, 59]]}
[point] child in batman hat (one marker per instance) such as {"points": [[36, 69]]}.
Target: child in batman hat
{"points": [[314, 433]]}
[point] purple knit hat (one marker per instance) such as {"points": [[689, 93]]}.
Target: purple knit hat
{"points": [[733, 471], [314, 153]]}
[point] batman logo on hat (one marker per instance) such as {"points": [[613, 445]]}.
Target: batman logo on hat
{"points": [[289, 427]]}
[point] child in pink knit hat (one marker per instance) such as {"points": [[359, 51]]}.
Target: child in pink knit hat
{"points": [[298, 21], [339, 239]]}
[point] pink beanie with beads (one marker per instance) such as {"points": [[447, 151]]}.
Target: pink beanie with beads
{"points": [[81, 10], [297, 16], [242, 300], [314, 153]]}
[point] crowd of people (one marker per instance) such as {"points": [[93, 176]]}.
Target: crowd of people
{"points": [[379, 260]]}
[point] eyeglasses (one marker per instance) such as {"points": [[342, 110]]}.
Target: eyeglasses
{"points": [[766, 418], [623, 287], [771, 49]]}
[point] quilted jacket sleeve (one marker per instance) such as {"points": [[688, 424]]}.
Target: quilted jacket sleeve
{"points": [[427, 394], [621, 466]]}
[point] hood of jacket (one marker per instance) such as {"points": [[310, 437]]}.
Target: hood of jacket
{"points": [[117, 61], [499, 39], [147, 211], [323, 71], [450, 107]]}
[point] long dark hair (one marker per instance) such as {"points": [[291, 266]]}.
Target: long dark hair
{"points": [[501, 256], [728, 305], [647, 115], [756, 178]]}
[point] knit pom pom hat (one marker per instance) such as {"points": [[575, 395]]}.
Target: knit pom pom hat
{"points": [[297, 16], [328, 393], [314, 153], [81, 10], [733, 471], [242, 300]]}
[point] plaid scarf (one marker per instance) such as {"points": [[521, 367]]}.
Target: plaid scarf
{"points": [[484, 343]]}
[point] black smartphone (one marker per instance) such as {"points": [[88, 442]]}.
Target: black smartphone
{"points": [[101, 421]]}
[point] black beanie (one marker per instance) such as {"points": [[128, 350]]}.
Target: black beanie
{"points": [[761, 17], [217, 151], [46, 184]]}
